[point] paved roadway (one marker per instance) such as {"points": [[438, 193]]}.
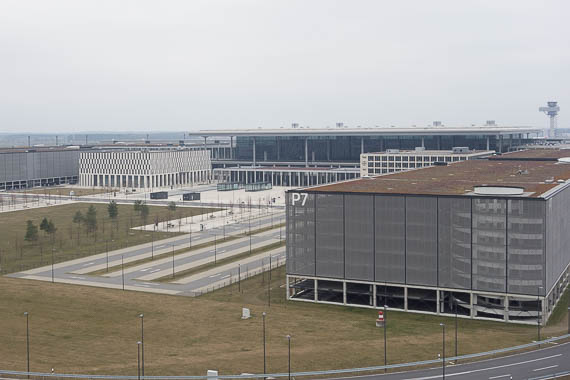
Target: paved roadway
{"points": [[139, 277], [530, 365]]}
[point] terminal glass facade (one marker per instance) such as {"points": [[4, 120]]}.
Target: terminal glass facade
{"points": [[349, 148]]}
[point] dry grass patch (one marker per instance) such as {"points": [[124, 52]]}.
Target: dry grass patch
{"points": [[71, 240], [92, 330]]}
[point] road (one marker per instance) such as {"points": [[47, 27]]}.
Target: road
{"points": [[529, 365], [140, 276]]}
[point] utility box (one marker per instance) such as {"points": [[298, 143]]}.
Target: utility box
{"points": [[191, 196], [159, 195]]}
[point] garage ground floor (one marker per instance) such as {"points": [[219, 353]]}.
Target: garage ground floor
{"points": [[515, 308]]}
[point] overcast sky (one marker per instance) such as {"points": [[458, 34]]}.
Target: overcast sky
{"points": [[188, 65]]}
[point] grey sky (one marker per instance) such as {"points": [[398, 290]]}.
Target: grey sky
{"points": [[187, 65]]}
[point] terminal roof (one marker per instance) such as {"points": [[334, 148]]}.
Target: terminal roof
{"points": [[370, 131]]}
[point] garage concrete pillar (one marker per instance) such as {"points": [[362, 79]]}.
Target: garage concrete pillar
{"points": [[316, 285]]}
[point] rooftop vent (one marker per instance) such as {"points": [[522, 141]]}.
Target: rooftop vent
{"points": [[437, 123], [498, 190]]}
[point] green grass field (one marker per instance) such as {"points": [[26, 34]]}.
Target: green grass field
{"points": [[92, 330], [71, 240]]}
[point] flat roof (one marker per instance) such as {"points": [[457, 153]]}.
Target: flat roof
{"points": [[459, 178], [370, 131], [41, 149], [535, 154], [430, 152]]}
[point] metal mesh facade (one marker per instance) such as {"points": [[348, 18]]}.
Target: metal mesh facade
{"points": [[489, 244], [558, 239], [359, 237], [454, 242], [525, 249], [301, 237], [25, 166], [421, 241], [483, 244], [390, 238], [330, 235]]}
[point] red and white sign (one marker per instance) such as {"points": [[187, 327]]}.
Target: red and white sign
{"points": [[380, 316]]}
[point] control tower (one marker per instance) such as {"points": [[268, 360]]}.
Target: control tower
{"points": [[552, 111]]}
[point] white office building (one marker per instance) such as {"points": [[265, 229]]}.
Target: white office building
{"points": [[144, 168], [395, 160]]}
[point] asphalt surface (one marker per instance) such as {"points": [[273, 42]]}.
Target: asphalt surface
{"points": [[139, 277], [536, 364]]}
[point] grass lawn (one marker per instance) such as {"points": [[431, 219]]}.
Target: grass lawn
{"points": [[92, 330], [79, 192], [71, 240]]}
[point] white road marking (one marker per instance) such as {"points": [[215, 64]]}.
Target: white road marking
{"points": [[91, 263], [486, 369], [498, 377], [540, 369], [77, 278], [215, 275], [226, 276], [144, 270], [153, 271]]}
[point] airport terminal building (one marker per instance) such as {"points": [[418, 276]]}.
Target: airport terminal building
{"points": [[303, 156], [484, 239]]}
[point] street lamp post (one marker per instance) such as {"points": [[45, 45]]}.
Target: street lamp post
{"points": [[538, 312], [264, 354], [52, 274], [141, 316], [123, 270], [107, 253], [289, 365], [152, 245], [385, 341], [190, 235], [443, 344], [27, 342], [215, 250], [172, 260], [239, 279], [139, 360], [456, 329]]}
